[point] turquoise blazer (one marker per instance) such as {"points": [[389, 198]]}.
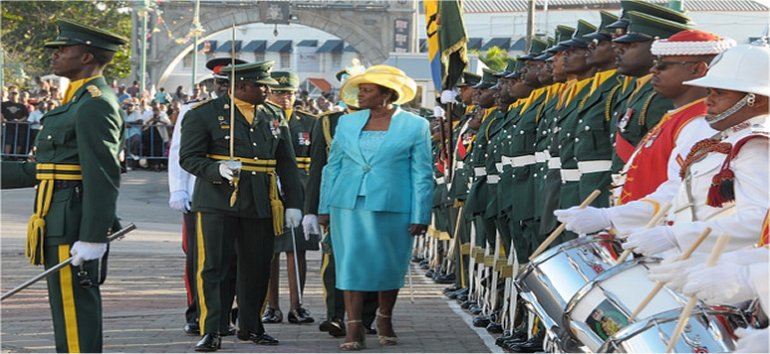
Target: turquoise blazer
{"points": [[399, 176]]}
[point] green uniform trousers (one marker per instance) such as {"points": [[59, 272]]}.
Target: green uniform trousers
{"points": [[464, 234], [76, 309], [220, 238]]}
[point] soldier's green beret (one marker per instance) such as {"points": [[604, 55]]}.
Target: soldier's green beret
{"points": [[644, 27], [72, 33], [488, 79], [286, 81], [577, 40], [258, 72], [469, 79], [562, 33], [537, 46], [603, 33]]}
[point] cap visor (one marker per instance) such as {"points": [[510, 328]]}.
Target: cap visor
{"points": [[577, 43], [57, 44], [632, 38]]}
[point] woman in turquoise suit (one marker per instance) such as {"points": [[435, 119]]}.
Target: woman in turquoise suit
{"points": [[376, 193]]}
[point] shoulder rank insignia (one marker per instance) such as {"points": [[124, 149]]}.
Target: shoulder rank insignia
{"points": [[201, 103], [94, 91]]}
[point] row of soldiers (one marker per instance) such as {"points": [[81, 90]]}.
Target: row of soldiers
{"points": [[596, 108]]}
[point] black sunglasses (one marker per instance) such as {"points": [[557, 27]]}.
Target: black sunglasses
{"points": [[663, 65]]}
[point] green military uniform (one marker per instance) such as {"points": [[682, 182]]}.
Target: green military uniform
{"points": [[641, 107], [250, 224], [77, 174]]}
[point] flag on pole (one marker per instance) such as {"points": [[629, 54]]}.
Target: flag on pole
{"points": [[447, 41]]}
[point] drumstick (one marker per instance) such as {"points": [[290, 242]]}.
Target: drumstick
{"points": [[659, 285], [654, 221], [719, 246], [595, 194]]}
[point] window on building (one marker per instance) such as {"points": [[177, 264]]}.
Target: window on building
{"points": [[259, 56], [285, 60], [337, 60]]}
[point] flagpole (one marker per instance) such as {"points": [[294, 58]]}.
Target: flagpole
{"points": [[196, 25]]}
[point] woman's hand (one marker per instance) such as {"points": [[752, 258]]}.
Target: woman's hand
{"points": [[323, 220], [417, 229]]}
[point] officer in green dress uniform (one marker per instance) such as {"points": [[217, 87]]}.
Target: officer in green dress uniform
{"points": [[593, 149], [282, 97], [639, 108], [77, 174], [239, 207]]}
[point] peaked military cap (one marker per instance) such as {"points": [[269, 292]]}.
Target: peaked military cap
{"points": [[216, 65], [577, 40], [509, 68], [287, 81], [469, 79], [488, 79], [258, 72], [536, 47], [603, 33], [73, 33], [516, 72], [644, 27], [562, 33]]}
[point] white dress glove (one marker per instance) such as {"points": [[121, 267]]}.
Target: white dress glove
{"points": [[448, 96], [179, 201], [752, 340], [650, 241], [585, 220], [310, 225], [293, 217], [438, 112], [724, 283], [86, 251], [226, 172], [673, 272]]}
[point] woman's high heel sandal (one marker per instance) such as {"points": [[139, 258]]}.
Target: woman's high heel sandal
{"points": [[385, 341], [357, 345]]}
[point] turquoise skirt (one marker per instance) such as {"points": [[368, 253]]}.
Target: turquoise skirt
{"points": [[371, 249]]}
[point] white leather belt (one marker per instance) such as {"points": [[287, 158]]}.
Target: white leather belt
{"points": [[541, 156], [493, 179], [499, 167], [440, 180], [570, 175], [554, 163], [521, 161], [594, 166], [479, 171], [508, 161], [459, 164]]}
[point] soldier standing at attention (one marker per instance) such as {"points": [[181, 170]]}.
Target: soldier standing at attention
{"points": [[301, 123], [77, 174], [246, 213]]}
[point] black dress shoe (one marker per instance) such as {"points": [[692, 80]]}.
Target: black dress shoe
{"points": [[416, 259], [300, 315], [494, 328], [230, 332], [532, 345], [429, 273], [466, 304], [192, 329], [450, 289], [445, 279], [481, 321], [259, 339], [518, 336], [457, 293], [475, 310], [210, 342], [335, 327], [272, 315]]}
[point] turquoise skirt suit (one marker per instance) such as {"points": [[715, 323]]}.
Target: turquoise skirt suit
{"points": [[374, 186]]}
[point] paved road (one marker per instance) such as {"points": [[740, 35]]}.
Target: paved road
{"points": [[144, 293]]}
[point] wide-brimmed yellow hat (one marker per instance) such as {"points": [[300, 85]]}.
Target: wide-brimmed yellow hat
{"points": [[383, 75]]}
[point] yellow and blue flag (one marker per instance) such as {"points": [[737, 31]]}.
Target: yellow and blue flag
{"points": [[447, 41]]}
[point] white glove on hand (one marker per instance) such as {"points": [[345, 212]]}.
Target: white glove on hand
{"points": [[179, 201], [293, 217], [448, 96], [650, 241], [724, 283], [86, 251], [752, 340], [438, 112], [310, 226], [584, 221], [673, 272], [226, 172]]}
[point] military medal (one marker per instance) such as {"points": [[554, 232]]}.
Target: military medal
{"points": [[275, 128], [304, 138], [623, 122]]}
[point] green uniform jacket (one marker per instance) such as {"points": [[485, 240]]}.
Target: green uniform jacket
{"points": [[206, 130], [493, 157], [477, 195], [459, 187], [638, 115], [319, 155], [87, 131], [544, 123], [501, 143], [592, 138], [568, 121]]}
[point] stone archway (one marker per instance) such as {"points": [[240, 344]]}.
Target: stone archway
{"points": [[367, 26]]}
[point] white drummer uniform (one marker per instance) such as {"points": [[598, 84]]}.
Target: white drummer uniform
{"points": [[742, 218]]}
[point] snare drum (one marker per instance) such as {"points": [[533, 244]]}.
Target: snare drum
{"points": [[555, 276], [703, 334], [602, 306]]}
